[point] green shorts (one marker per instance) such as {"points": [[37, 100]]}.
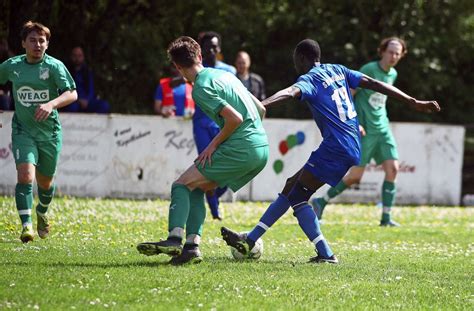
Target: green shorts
{"points": [[43, 154], [380, 147], [235, 167]]}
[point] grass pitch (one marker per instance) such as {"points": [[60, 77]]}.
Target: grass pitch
{"points": [[90, 262]]}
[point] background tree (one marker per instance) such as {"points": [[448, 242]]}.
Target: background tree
{"points": [[125, 42]]}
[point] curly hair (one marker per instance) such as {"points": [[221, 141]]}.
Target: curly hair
{"points": [[309, 48], [184, 51], [209, 35]]}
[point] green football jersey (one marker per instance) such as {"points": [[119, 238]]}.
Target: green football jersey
{"points": [[213, 89], [33, 85], [370, 105]]}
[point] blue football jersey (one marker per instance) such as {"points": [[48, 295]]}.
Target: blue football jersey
{"points": [[326, 89]]}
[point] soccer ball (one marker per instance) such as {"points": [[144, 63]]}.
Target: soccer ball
{"points": [[255, 253]]}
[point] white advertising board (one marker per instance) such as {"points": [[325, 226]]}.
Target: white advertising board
{"points": [[128, 156], [430, 157]]}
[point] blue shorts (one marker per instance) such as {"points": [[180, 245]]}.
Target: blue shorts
{"points": [[203, 134], [327, 167]]}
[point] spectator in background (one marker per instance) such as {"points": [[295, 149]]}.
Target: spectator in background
{"points": [[5, 90], [173, 96], [252, 81], [83, 76]]}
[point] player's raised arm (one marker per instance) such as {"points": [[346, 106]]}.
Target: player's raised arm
{"points": [[389, 90], [278, 97], [260, 107]]}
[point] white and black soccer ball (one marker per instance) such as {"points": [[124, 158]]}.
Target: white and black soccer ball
{"points": [[255, 253]]}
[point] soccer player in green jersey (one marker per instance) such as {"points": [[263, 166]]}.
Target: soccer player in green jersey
{"points": [[41, 85], [377, 140], [235, 156]]}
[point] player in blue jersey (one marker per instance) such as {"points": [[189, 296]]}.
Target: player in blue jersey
{"points": [[204, 129], [326, 90]]}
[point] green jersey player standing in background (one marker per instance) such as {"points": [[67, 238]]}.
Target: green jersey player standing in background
{"points": [[41, 85], [377, 139]]}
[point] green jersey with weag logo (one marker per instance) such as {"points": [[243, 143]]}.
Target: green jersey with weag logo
{"points": [[33, 85], [214, 89], [370, 105]]}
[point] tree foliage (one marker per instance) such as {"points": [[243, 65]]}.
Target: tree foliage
{"points": [[125, 42]]}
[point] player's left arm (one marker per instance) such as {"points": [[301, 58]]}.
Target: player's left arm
{"points": [[65, 83], [43, 111], [390, 90], [280, 96], [232, 120]]}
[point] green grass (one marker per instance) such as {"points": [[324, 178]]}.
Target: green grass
{"points": [[90, 261]]}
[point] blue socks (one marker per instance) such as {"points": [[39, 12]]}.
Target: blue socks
{"points": [[309, 223], [306, 218], [213, 201], [277, 209], [220, 191]]}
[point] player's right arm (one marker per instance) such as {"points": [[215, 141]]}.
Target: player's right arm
{"points": [[278, 97], [389, 90], [232, 120], [3, 77], [4, 70]]}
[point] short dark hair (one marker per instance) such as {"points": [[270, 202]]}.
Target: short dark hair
{"points": [[184, 51], [386, 41], [30, 26], [208, 35], [309, 49]]}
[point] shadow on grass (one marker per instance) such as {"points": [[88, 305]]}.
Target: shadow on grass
{"points": [[208, 261], [89, 264], [11, 242]]}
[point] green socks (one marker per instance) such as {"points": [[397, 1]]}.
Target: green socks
{"points": [[334, 191], [24, 202], [197, 213], [187, 210], [45, 197], [179, 207], [388, 198]]}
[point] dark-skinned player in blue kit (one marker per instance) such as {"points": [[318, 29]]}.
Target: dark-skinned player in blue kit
{"points": [[326, 90]]}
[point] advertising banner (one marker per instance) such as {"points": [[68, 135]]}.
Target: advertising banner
{"points": [[130, 156]]}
